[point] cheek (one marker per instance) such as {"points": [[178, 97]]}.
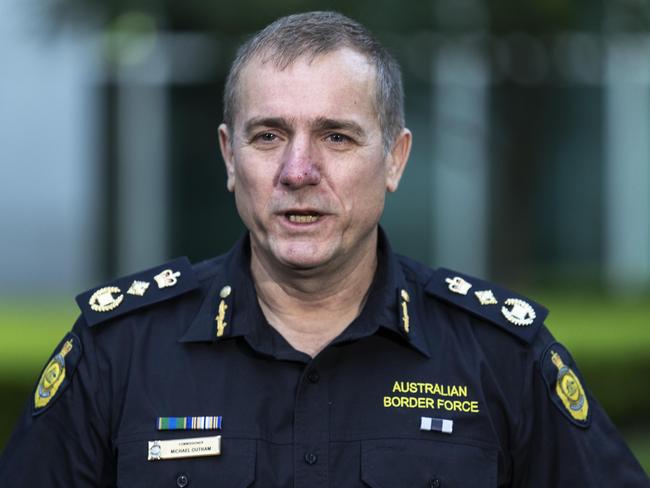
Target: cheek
{"points": [[365, 191], [257, 166], [244, 188], [250, 176], [254, 187]]}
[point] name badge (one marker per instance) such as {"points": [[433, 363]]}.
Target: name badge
{"points": [[184, 448]]}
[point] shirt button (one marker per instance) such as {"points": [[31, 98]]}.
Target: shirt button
{"points": [[182, 481], [311, 458], [313, 376], [435, 483]]}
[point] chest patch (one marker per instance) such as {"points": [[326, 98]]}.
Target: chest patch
{"points": [[431, 396]]}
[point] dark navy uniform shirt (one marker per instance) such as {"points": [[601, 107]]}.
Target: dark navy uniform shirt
{"points": [[434, 385]]}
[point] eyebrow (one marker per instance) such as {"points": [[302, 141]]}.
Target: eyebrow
{"points": [[323, 124], [273, 122], [319, 124]]}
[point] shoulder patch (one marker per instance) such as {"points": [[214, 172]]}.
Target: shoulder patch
{"points": [[136, 291], [56, 376], [564, 384], [512, 312]]}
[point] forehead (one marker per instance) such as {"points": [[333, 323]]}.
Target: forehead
{"points": [[341, 83]]}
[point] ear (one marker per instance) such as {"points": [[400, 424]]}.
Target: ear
{"points": [[397, 158], [225, 143]]}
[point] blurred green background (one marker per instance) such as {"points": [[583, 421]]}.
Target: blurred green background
{"points": [[530, 166]]}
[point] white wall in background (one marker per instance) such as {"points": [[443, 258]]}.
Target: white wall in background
{"points": [[47, 145]]}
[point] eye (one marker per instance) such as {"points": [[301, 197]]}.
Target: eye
{"points": [[338, 138], [266, 137]]}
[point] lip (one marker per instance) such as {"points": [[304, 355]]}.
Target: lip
{"points": [[284, 217]]}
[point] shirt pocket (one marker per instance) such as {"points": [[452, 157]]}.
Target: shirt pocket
{"points": [[233, 468], [387, 463]]}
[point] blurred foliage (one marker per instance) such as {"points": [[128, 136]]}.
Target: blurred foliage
{"points": [[610, 340], [29, 331], [235, 18], [503, 16]]}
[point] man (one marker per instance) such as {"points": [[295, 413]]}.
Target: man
{"points": [[310, 355]]}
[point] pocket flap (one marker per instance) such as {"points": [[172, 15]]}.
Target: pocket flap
{"points": [[387, 463]]}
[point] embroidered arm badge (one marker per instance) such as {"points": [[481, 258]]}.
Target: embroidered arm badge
{"points": [[564, 385], [57, 375]]}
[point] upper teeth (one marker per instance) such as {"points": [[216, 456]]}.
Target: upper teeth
{"points": [[303, 219]]}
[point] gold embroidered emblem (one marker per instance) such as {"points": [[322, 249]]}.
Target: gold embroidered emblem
{"points": [[104, 301], [569, 389], [405, 311], [221, 318], [221, 313], [52, 377]]}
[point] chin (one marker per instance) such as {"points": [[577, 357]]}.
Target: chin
{"points": [[302, 255]]}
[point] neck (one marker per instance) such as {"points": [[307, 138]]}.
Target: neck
{"points": [[311, 308]]}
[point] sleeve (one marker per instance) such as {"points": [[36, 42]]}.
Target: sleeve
{"points": [[563, 437], [63, 437]]}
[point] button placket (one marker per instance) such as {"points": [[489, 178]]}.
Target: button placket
{"points": [[311, 429]]}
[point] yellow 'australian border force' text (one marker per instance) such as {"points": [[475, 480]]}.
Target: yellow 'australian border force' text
{"points": [[449, 398]]}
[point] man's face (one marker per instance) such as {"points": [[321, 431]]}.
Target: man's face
{"points": [[306, 162]]}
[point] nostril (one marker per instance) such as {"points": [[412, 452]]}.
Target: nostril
{"points": [[299, 174]]}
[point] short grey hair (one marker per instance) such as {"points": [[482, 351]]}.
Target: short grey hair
{"points": [[315, 33]]}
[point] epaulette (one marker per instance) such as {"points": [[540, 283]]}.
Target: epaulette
{"points": [[512, 312], [136, 291]]}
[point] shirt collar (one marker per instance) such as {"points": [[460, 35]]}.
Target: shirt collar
{"points": [[386, 307]]}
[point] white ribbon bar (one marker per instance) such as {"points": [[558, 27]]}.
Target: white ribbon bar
{"points": [[440, 425]]}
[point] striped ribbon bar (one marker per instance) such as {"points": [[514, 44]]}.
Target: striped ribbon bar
{"points": [[189, 423], [440, 425]]}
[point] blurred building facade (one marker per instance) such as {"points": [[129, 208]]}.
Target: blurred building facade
{"points": [[531, 158]]}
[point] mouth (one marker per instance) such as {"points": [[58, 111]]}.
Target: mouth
{"points": [[303, 217]]}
